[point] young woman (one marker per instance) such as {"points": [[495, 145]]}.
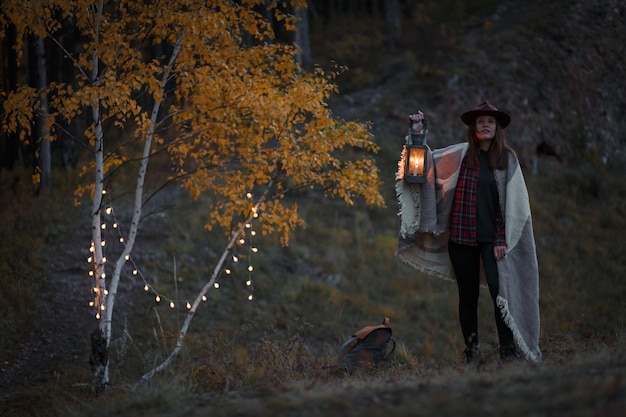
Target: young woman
{"points": [[482, 216]]}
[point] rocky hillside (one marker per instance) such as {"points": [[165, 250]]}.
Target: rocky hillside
{"points": [[557, 67]]}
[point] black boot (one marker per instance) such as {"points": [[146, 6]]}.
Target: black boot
{"points": [[509, 353], [471, 354]]}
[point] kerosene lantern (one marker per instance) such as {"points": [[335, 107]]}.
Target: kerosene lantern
{"points": [[415, 167]]}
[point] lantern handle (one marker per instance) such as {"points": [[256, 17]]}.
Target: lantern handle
{"points": [[420, 136]]}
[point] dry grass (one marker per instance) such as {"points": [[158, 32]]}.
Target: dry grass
{"points": [[276, 355]]}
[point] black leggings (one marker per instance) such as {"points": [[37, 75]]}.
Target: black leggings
{"points": [[466, 263]]}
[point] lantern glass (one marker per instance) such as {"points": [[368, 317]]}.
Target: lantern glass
{"points": [[415, 170]]}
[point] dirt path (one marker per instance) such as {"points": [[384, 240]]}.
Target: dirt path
{"points": [[61, 336]]}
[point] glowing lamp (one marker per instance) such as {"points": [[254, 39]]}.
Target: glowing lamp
{"points": [[415, 168]]}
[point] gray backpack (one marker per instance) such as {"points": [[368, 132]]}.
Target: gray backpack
{"points": [[367, 347]]}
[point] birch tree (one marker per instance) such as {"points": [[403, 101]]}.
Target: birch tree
{"points": [[239, 119]]}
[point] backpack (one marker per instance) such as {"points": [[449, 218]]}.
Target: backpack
{"points": [[368, 346]]}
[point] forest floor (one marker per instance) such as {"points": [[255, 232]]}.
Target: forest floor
{"points": [[60, 335]]}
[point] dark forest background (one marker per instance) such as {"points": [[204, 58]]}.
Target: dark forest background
{"points": [[556, 65]]}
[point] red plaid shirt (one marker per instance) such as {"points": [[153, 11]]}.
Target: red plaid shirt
{"points": [[463, 217]]}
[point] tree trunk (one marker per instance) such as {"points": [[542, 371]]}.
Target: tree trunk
{"points": [[393, 20], [100, 344], [44, 158], [192, 311], [9, 142], [69, 153], [303, 41]]}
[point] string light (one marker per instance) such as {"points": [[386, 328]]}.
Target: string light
{"points": [[100, 306]]}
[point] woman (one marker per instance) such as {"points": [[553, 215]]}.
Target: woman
{"points": [[474, 208]]}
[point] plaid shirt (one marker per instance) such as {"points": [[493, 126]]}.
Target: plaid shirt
{"points": [[463, 217]]}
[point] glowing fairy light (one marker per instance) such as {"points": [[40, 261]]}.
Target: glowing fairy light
{"points": [[99, 289]]}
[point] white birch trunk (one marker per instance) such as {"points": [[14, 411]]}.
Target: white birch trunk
{"points": [[99, 359], [190, 314], [107, 320]]}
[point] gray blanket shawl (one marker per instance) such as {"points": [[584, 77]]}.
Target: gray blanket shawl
{"points": [[424, 211]]}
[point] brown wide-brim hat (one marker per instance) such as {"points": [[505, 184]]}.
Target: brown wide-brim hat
{"points": [[489, 109]]}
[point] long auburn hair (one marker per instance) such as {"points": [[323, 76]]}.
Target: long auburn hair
{"points": [[498, 151]]}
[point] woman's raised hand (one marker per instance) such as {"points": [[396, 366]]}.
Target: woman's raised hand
{"points": [[416, 117], [416, 121]]}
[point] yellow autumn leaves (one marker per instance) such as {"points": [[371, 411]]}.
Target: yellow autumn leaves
{"points": [[237, 113]]}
